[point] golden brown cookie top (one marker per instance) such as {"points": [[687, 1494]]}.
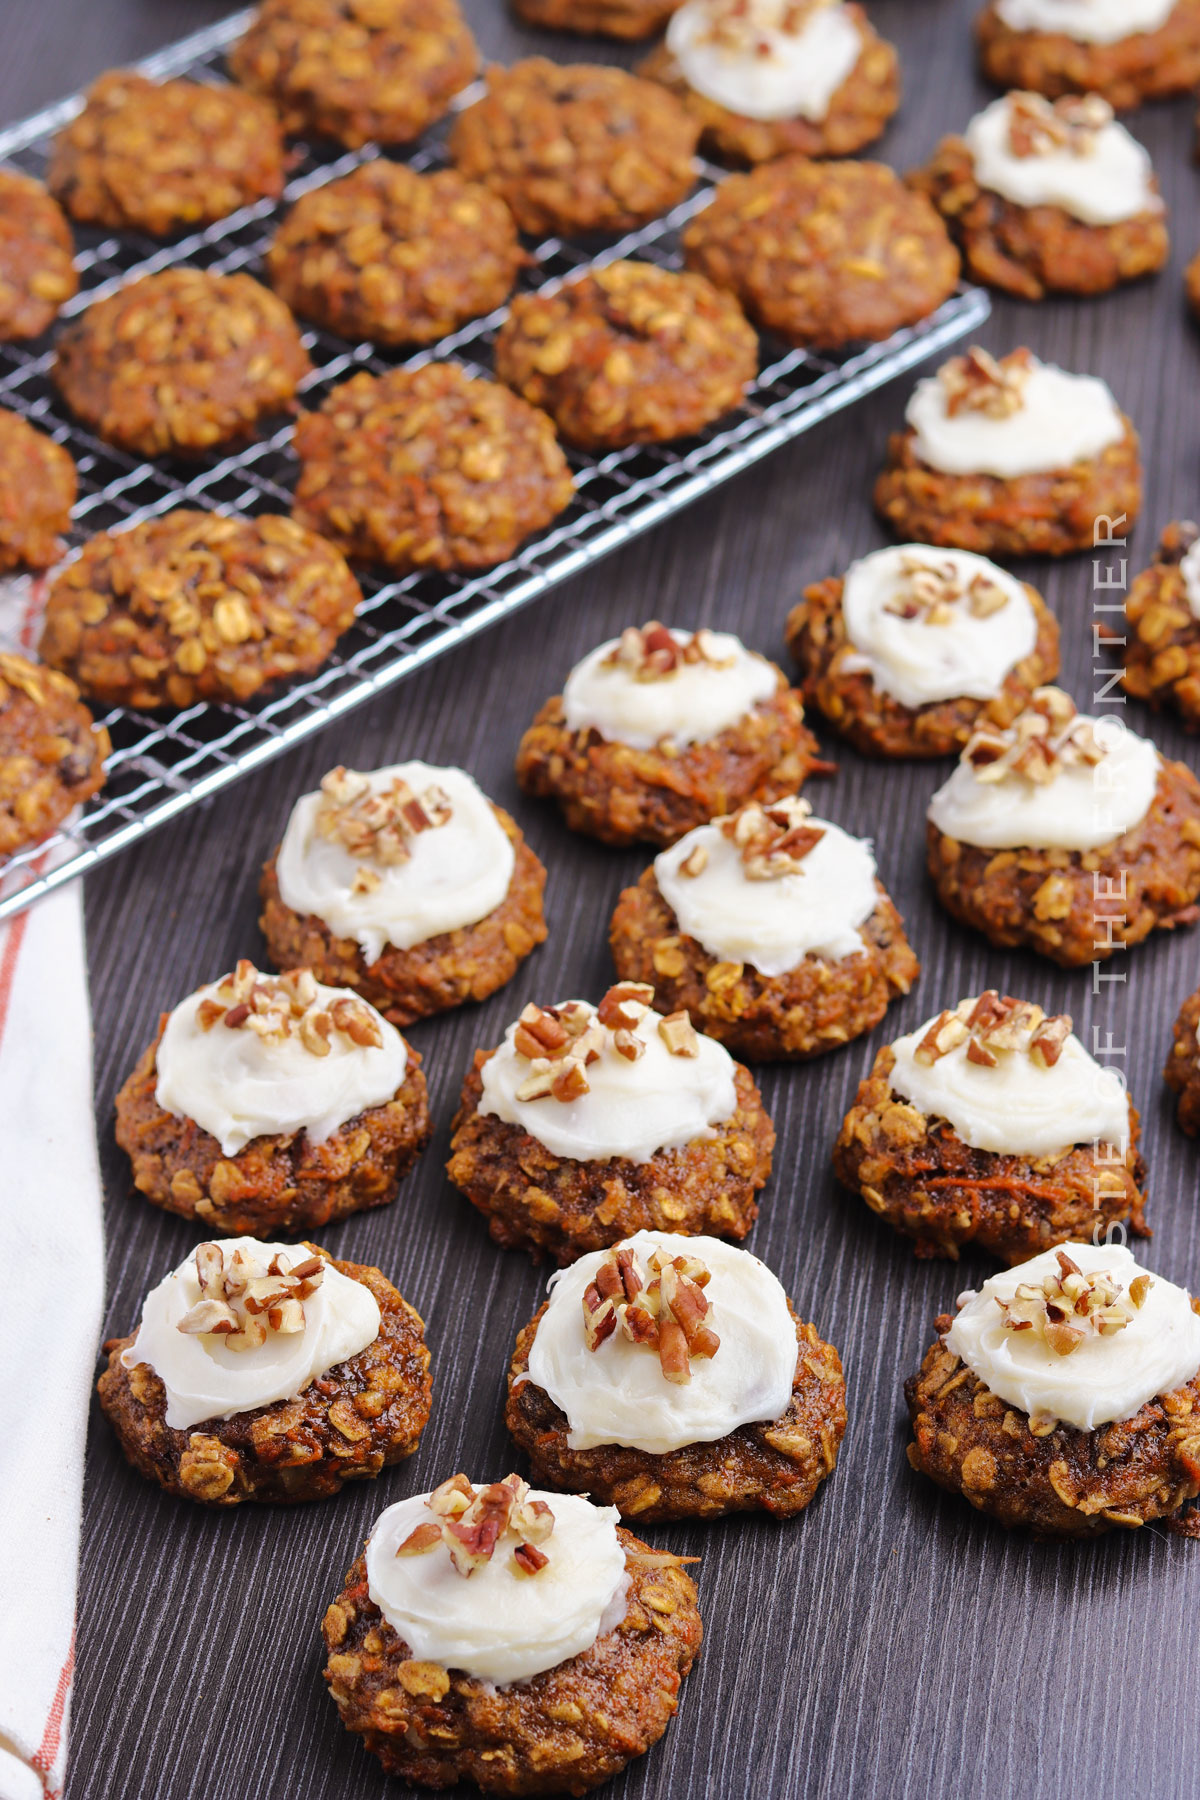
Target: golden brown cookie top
{"points": [[37, 273], [357, 69], [395, 256], [157, 156], [196, 606]]}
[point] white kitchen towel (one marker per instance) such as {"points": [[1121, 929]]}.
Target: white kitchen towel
{"points": [[51, 1302]]}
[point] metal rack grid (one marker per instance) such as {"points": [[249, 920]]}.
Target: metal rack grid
{"points": [[161, 766]]}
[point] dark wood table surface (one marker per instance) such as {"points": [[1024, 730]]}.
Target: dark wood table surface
{"points": [[889, 1642]]}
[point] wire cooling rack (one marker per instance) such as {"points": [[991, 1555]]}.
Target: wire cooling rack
{"points": [[161, 766]]}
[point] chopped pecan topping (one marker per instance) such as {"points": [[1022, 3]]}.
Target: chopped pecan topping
{"points": [[773, 840], [289, 1005], [931, 592], [662, 1305], [1065, 1308], [695, 862], [243, 1298], [982, 383], [743, 27], [561, 1042], [472, 1522], [651, 652], [993, 1024], [679, 1034], [1047, 737], [377, 826], [1038, 127]]}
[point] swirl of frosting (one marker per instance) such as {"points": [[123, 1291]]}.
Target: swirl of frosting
{"points": [[921, 656], [632, 1109], [501, 1625], [205, 1379], [1019, 1107], [691, 704], [773, 925], [450, 877], [238, 1084], [1105, 1377], [1062, 419], [1087, 21], [1111, 183], [618, 1393], [753, 60]]}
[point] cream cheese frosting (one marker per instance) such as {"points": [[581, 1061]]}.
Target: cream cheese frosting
{"points": [[1079, 809], [498, 1624], [1110, 183], [618, 1393], [693, 704], [1087, 21], [749, 61], [632, 1109], [1019, 1107], [451, 876], [1105, 1377], [239, 1085], [1189, 568], [1062, 419], [204, 1379], [921, 659], [772, 925]]}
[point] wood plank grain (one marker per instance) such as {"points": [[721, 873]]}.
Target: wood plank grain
{"points": [[890, 1643]]}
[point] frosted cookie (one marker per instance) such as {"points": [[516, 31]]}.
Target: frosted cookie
{"points": [[771, 76], [589, 1123], [1070, 835], [1160, 646], [1049, 197], [914, 646], [519, 1640], [770, 929], [1010, 456], [991, 1125], [272, 1103], [1062, 1396], [267, 1372], [1127, 50], [406, 884], [659, 730], [670, 1377]]}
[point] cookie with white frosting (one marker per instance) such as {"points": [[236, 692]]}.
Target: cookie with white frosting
{"points": [[589, 1123], [519, 1640], [1182, 1073], [1062, 1397], [267, 1372], [659, 730], [775, 76], [992, 1125], [1160, 645], [1049, 197], [1066, 834], [671, 1378], [1009, 456], [406, 884], [907, 652], [272, 1103], [770, 929], [1127, 50]]}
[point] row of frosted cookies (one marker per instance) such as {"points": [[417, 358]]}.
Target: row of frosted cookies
{"points": [[1130, 51]]}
